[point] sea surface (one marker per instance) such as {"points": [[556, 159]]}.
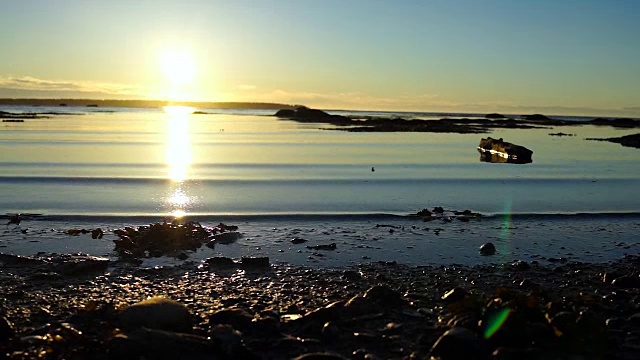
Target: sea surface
{"points": [[278, 179]]}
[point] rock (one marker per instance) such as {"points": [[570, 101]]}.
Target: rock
{"points": [[225, 237], [146, 343], [424, 213], [305, 114], [162, 238], [635, 319], [249, 262], [97, 233], [497, 150], [619, 123], [237, 318], [454, 295], [218, 262], [487, 249], [627, 140], [298, 240], [325, 314], [384, 296], [536, 117], [520, 265], [157, 313], [230, 343], [627, 282], [321, 356], [328, 247], [330, 331], [459, 343], [79, 264], [495, 116], [6, 329]]}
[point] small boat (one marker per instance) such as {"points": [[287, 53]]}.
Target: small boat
{"points": [[500, 151]]}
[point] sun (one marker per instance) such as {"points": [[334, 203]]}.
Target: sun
{"points": [[178, 67]]}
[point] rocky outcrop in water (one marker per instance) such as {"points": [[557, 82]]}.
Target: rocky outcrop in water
{"points": [[628, 140], [305, 114]]}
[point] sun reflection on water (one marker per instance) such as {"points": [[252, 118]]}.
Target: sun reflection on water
{"points": [[178, 156]]}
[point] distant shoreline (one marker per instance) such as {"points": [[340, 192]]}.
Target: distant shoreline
{"points": [[140, 103]]}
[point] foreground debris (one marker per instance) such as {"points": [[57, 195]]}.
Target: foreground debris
{"points": [[376, 311], [500, 151], [170, 238]]}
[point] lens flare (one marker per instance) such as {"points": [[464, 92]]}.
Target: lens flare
{"points": [[495, 322]]}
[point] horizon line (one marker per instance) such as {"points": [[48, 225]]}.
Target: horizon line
{"points": [[149, 103]]}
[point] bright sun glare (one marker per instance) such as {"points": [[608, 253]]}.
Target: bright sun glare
{"points": [[178, 67]]}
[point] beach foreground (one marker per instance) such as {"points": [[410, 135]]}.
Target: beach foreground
{"points": [[376, 311]]}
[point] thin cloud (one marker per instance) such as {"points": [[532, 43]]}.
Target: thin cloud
{"points": [[35, 84]]}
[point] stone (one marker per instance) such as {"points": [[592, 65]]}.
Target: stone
{"points": [[385, 296], [251, 262], [225, 237], [298, 240], [146, 343], [237, 318], [97, 233], [157, 313], [487, 249], [627, 282], [321, 356], [328, 247], [218, 261], [495, 116], [459, 343], [6, 329], [520, 265], [454, 295], [79, 264]]}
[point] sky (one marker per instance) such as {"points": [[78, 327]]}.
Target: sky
{"points": [[548, 56]]}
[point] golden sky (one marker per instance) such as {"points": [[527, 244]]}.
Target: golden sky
{"points": [[569, 57]]}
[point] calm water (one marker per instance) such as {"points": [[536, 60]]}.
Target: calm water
{"points": [[121, 163]]}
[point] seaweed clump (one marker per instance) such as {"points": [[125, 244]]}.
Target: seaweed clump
{"points": [[165, 239]]}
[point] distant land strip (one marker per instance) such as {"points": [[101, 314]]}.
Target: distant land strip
{"points": [[141, 103]]}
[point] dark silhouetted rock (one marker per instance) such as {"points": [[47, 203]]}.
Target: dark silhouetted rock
{"points": [[487, 249], [627, 140], [495, 116], [238, 318], [619, 123], [536, 117], [226, 237], [218, 261], [459, 343], [627, 282], [144, 343], [157, 313], [304, 114], [384, 296], [328, 247], [6, 329], [250, 262], [298, 240], [321, 356]]}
